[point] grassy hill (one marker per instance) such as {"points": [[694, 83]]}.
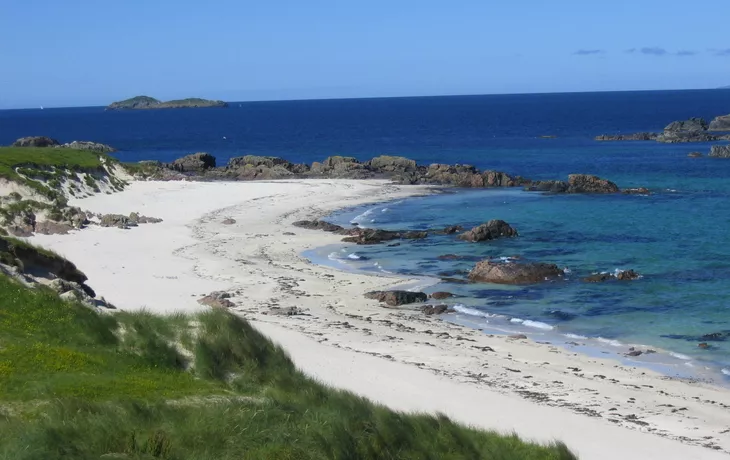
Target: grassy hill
{"points": [[77, 384]]}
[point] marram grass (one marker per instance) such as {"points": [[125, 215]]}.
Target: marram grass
{"points": [[75, 384]]}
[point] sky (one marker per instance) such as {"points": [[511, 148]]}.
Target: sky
{"points": [[90, 52]]}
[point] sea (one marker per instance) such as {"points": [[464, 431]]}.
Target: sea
{"points": [[677, 237]]}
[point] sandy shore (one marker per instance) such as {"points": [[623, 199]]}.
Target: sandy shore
{"points": [[599, 407]]}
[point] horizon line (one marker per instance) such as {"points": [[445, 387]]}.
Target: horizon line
{"points": [[334, 98]]}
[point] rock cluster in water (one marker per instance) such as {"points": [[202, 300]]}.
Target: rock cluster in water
{"points": [[691, 130], [146, 103]]}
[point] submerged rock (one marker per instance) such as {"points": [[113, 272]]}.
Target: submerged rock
{"points": [[397, 298], [441, 295], [627, 275], [694, 155], [628, 137], [491, 230], [620, 275], [636, 191], [488, 271], [376, 236]]}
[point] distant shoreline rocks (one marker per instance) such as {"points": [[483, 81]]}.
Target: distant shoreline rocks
{"points": [[147, 103], [694, 129], [44, 142]]}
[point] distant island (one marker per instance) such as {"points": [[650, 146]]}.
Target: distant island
{"points": [[146, 102]]}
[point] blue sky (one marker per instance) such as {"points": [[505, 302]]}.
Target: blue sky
{"points": [[91, 52]]}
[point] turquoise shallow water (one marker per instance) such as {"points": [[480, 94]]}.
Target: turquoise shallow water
{"points": [[683, 257]]}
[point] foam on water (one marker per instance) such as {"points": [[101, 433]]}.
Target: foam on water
{"points": [[611, 342], [725, 371], [576, 336], [471, 311], [680, 356], [532, 324], [354, 256]]}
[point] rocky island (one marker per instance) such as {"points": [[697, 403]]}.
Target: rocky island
{"points": [[691, 130], [146, 102]]}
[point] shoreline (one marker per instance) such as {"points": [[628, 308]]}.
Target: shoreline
{"points": [[672, 364], [167, 267]]}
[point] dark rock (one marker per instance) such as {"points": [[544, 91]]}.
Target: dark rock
{"points": [[440, 295], [487, 271], [429, 310], [721, 123], [627, 275], [491, 230], [694, 155], [703, 345], [449, 257], [635, 353], [35, 141], [285, 311], [289, 233], [450, 230], [628, 137], [397, 298], [116, 220], [228, 221], [341, 167], [252, 167], [549, 186], [585, 183], [22, 224], [720, 151], [376, 236], [636, 191], [135, 218], [679, 137], [598, 278], [691, 125], [217, 299], [318, 225], [196, 163], [716, 336], [517, 337]]}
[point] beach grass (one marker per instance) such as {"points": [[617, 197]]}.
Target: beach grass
{"points": [[79, 384], [36, 163]]}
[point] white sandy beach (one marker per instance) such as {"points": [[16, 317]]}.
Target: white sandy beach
{"points": [[600, 408]]}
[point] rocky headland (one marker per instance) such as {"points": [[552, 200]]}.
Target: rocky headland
{"points": [[146, 102]]}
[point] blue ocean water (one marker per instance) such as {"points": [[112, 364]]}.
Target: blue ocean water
{"points": [[677, 237]]}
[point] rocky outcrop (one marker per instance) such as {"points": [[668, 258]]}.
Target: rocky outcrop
{"points": [[628, 137], [116, 220], [135, 218], [636, 191], [318, 225], [88, 146], [619, 275], [490, 231], [586, 183], [36, 141], [488, 271], [146, 102], [251, 167], [52, 228], [376, 236], [721, 123], [694, 124], [341, 167], [720, 151], [692, 130], [197, 162], [217, 299], [397, 298]]}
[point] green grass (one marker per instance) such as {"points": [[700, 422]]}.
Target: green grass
{"points": [[36, 162], [75, 384]]}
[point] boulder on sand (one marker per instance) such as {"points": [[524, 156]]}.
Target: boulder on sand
{"points": [[318, 225], [488, 271], [491, 230], [197, 162], [397, 298]]}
